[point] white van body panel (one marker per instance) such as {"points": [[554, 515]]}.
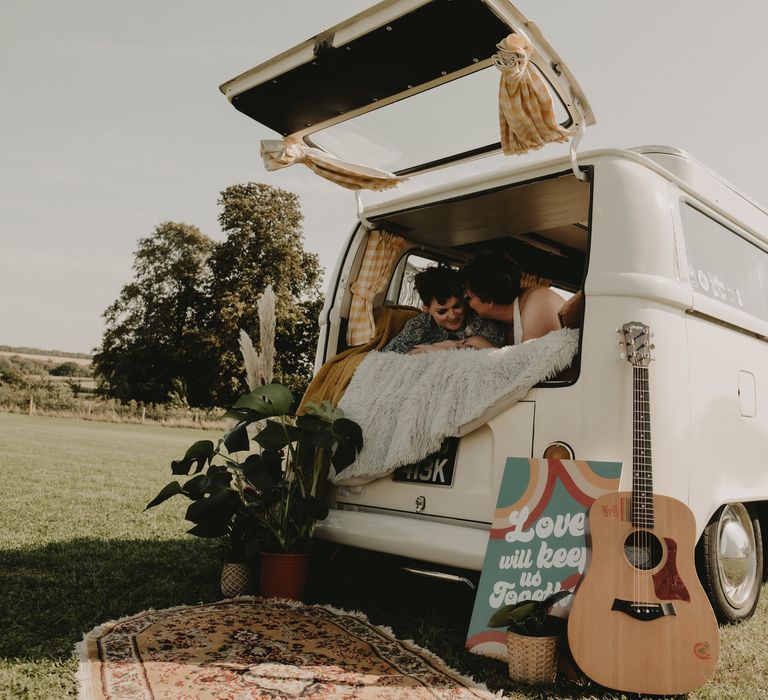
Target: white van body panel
{"points": [[706, 436], [726, 450]]}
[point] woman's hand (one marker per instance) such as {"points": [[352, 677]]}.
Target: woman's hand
{"points": [[478, 342], [432, 347]]}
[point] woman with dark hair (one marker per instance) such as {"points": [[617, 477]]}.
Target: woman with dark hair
{"points": [[493, 291], [446, 324]]}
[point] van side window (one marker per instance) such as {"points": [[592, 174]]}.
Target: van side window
{"points": [[725, 266], [411, 266]]}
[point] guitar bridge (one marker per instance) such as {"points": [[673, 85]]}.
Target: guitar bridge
{"points": [[644, 611]]}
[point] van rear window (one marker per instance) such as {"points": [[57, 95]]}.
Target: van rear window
{"points": [[725, 266]]}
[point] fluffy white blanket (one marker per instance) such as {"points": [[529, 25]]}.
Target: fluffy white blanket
{"points": [[407, 405]]}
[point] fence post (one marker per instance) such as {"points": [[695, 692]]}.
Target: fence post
{"points": [[90, 406], [143, 414], [31, 405]]}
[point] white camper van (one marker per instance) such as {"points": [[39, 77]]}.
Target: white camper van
{"points": [[646, 235]]}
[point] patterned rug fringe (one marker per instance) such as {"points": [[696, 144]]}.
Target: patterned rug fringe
{"points": [[84, 678]]}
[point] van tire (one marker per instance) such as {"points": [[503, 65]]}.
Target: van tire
{"points": [[732, 582]]}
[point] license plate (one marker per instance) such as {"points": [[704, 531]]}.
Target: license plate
{"points": [[434, 470]]}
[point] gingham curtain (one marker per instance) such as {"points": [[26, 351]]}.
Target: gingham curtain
{"points": [[526, 112], [380, 254], [282, 153], [529, 280]]}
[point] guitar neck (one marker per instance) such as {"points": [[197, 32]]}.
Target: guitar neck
{"points": [[642, 473]]}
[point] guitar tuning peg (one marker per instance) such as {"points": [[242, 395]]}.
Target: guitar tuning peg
{"points": [[623, 356], [653, 346]]}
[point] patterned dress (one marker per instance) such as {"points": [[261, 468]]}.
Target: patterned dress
{"points": [[422, 329]]}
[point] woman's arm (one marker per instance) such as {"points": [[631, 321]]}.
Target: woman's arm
{"points": [[442, 345], [414, 332], [490, 334]]}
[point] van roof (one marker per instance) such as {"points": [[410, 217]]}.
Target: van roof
{"points": [[673, 164]]}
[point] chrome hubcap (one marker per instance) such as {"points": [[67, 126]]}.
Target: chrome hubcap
{"points": [[737, 555]]}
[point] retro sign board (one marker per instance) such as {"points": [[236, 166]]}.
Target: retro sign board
{"points": [[537, 541]]}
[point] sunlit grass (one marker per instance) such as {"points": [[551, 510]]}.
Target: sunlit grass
{"points": [[76, 550]]}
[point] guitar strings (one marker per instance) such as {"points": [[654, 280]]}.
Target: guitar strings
{"points": [[641, 537]]}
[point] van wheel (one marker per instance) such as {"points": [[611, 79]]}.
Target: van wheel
{"points": [[730, 559]]}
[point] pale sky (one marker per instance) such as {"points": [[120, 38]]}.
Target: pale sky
{"points": [[112, 122]]}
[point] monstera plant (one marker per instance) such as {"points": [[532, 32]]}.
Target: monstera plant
{"points": [[258, 487]]}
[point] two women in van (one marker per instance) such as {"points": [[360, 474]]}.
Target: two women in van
{"points": [[493, 291], [445, 323]]}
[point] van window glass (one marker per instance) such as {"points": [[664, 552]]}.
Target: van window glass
{"points": [[423, 128], [414, 264], [725, 266]]}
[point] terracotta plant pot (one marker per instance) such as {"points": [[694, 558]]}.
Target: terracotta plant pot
{"points": [[532, 659], [236, 578], [284, 575]]}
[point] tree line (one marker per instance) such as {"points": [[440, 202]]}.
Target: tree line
{"points": [[172, 334]]}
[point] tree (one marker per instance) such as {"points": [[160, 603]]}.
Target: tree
{"points": [[68, 369], [173, 333], [9, 373], [143, 347], [263, 245]]}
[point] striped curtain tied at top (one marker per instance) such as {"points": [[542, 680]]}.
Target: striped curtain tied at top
{"points": [[280, 153], [380, 254], [526, 111]]}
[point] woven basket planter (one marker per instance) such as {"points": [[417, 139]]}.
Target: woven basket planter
{"points": [[235, 579], [532, 659]]}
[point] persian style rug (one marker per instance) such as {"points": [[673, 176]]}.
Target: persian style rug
{"points": [[250, 648]]}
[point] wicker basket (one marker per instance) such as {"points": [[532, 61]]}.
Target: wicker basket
{"points": [[235, 579], [532, 659]]}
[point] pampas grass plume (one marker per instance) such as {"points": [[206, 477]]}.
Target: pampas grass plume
{"points": [[267, 322], [251, 360], [259, 366]]}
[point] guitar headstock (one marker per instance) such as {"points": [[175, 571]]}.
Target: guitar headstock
{"points": [[636, 343]]}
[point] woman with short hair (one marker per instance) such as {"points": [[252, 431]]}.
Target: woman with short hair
{"points": [[493, 291]]}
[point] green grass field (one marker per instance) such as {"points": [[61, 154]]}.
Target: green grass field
{"points": [[76, 550]]}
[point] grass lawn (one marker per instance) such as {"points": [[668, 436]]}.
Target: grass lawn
{"points": [[76, 550]]}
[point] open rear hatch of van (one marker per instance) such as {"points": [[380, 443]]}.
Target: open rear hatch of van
{"points": [[408, 86], [405, 86]]}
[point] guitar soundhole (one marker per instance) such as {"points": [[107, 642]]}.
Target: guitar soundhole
{"points": [[643, 550]]}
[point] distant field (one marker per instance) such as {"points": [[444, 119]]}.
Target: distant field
{"points": [[84, 382], [58, 359]]}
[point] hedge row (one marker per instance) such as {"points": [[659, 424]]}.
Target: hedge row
{"points": [[58, 399]]}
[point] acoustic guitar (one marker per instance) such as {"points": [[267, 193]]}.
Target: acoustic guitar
{"points": [[640, 621]]}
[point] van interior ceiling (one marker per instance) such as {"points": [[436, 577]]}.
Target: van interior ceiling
{"points": [[542, 224]]}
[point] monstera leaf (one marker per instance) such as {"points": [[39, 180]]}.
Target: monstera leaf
{"points": [[266, 401], [200, 454], [349, 441]]}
